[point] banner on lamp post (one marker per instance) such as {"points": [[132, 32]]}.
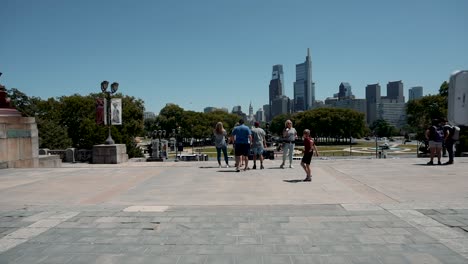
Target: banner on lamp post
{"points": [[116, 111]]}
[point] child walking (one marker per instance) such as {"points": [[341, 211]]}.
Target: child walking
{"points": [[309, 148]]}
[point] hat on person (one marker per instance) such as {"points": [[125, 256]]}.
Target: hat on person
{"points": [[256, 124]]}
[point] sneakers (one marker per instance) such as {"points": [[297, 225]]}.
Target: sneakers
{"points": [[237, 169], [308, 179], [430, 163], [254, 167], [219, 166], [448, 163], [291, 166], [227, 165]]}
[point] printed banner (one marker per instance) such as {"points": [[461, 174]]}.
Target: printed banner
{"points": [[116, 111]]}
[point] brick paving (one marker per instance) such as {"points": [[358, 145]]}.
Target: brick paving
{"points": [[145, 214]]}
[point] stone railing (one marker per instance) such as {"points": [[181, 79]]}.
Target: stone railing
{"points": [[69, 154]]}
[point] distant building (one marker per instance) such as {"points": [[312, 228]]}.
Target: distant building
{"points": [[210, 109], [251, 116], [260, 115], [345, 91], [149, 115], [266, 112], [415, 93], [237, 109], [304, 88], [372, 101], [275, 89], [359, 105], [277, 74], [281, 105], [395, 91], [393, 112]]}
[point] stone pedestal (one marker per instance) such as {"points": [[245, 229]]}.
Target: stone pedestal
{"points": [[19, 144], [110, 154]]}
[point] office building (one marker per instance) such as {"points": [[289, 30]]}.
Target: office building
{"points": [[266, 112], [393, 112], [415, 93], [278, 74], [260, 115], [210, 109], [304, 88], [373, 98], [276, 87], [395, 91], [345, 91], [280, 105]]}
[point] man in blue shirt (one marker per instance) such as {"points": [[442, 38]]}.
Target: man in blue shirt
{"points": [[242, 138]]}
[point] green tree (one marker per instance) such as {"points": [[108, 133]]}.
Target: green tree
{"points": [[420, 112], [443, 90], [383, 129]]}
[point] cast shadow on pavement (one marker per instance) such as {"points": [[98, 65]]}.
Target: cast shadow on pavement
{"points": [[293, 181]]}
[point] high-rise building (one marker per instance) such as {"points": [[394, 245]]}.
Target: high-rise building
{"points": [[345, 91], [278, 74], [275, 92], [372, 100], [415, 93], [393, 112], [266, 112], [260, 115], [395, 91], [280, 105], [276, 87], [304, 88]]}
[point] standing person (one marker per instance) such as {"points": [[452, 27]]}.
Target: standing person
{"points": [[242, 136], [289, 136], [435, 135], [258, 144], [220, 143], [449, 141], [309, 148]]}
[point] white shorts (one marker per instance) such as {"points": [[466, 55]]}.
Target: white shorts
{"points": [[433, 144]]}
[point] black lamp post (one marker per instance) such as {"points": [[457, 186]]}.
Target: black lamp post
{"points": [[114, 88]]}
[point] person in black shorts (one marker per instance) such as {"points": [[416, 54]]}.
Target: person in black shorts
{"points": [[309, 148]]}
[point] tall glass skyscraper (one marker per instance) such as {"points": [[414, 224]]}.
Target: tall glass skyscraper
{"points": [[304, 90]]}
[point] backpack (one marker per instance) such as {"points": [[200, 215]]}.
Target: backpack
{"points": [[437, 134], [455, 132]]}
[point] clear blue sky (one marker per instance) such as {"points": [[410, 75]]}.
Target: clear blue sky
{"points": [[220, 53]]}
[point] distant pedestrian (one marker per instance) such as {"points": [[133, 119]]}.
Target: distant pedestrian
{"points": [[289, 138], [449, 141], [309, 148], [220, 143], [258, 144], [242, 136], [435, 135]]}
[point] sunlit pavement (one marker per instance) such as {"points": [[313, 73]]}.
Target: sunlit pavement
{"points": [[395, 210]]}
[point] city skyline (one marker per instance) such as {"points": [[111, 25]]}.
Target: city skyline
{"points": [[220, 54]]}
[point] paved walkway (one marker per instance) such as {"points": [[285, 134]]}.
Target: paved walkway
{"points": [[354, 211]]}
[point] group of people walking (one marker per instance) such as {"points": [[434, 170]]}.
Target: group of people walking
{"points": [[246, 140]]}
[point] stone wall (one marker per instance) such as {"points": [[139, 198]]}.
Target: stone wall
{"points": [[19, 142]]}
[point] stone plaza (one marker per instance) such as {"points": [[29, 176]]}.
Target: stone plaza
{"points": [[358, 210]]}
